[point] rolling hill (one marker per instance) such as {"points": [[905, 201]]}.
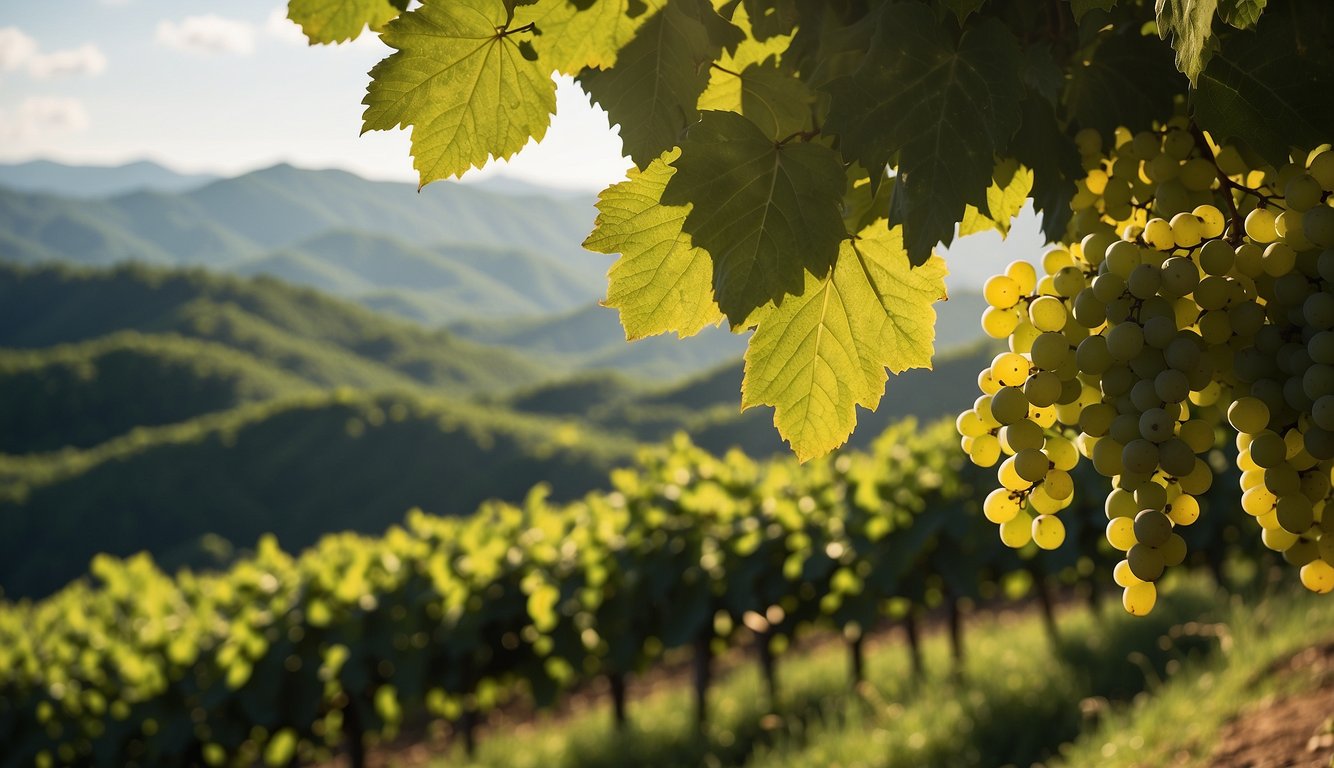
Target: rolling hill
{"points": [[69, 180], [325, 341], [297, 467]]}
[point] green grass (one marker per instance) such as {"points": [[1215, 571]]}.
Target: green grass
{"points": [[1021, 701]]}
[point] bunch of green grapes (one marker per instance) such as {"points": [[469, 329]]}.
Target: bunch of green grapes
{"points": [[1197, 291]]}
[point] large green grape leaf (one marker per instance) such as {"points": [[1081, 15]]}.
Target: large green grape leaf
{"points": [[654, 89], [767, 213], [1130, 80], [944, 109], [466, 89], [770, 18], [589, 33], [1081, 7], [1010, 186], [1041, 145], [661, 283], [1190, 23], [337, 21], [962, 9], [1271, 88], [1242, 14], [775, 100], [816, 356]]}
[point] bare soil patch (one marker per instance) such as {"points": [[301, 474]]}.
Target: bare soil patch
{"points": [[1292, 731]]}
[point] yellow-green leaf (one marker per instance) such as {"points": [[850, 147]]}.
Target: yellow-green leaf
{"points": [[1005, 197], [572, 36], [775, 100], [460, 81], [661, 283], [337, 21], [817, 356]]}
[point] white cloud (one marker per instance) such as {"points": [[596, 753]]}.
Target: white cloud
{"points": [[85, 60], [16, 49], [207, 34], [39, 117], [283, 29]]}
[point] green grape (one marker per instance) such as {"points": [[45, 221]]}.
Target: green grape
{"points": [[1295, 514], [1216, 257], [1149, 496], [1176, 457], [1187, 230], [1058, 484], [1123, 257], [985, 450], [1048, 532], [1021, 435], [1009, 405], [1024, 276], [1050, 351], [1125, 342], [1138, 599], [1173, 551], [1047, 313], [1016, 532], [1152, 528], [1279, 259], [1146, 562], [1031, 464], [1096, 419], [1249, 259], [1159, 235], [1121, 503], [1183, 510], [1121, 533], [1318, 226], [1302, 193], [1260, 226], [1212, 222], [1318, 576], [1107, 457], [1061, 452], [1043, 388], [1248, 414], [1140, 456], [999, 323], [1009, 476], [1000, 506], [1180, 276], [1001, 292], [1122, 576], [1144, 281]]}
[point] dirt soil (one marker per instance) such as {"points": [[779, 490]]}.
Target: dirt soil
{"points": [[1294, 731]]}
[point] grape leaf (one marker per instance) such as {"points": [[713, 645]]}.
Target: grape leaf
{"points": [[661, 283], [767, 213], [775, 100], [466, 89], [1130, 79], [337, 21], [573, 35], [1270, 88], [769, 18], [1190, 23], [962, 9], [862, 206], [816, 356], [1041, 145], [654, 89], [1242, 14], [1081, 7], [1009, 189], [945, 109]]}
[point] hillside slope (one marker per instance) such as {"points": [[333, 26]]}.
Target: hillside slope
{"points": [[295, 467], [85, 393], [326, 341]]}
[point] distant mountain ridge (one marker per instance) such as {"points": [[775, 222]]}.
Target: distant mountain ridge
{"points": [[87, 181]]}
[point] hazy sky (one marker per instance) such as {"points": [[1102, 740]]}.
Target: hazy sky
{"points": [[227, 87]]}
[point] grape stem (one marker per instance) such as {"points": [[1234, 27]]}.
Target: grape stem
{"points": [[1238, 226]]}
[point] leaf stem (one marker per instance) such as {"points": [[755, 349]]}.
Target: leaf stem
{"points": [[721, 68], [803, 135], [529, 27]]}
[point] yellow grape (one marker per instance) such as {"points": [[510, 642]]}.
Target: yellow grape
{"points": [[1048, 532], [1138, 599], [1318, 576], [1001, 292]]}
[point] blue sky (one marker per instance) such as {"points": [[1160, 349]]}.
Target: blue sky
{"points": [[226, 88]]}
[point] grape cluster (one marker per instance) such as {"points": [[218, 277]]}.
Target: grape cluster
{"points": [[1197, 291]]}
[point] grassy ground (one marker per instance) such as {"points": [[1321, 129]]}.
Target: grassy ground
{"points": [[1112, 691]]}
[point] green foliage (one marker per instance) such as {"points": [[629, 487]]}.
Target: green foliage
{"points": [[763, 108], [462, 81], [337, 21]]}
